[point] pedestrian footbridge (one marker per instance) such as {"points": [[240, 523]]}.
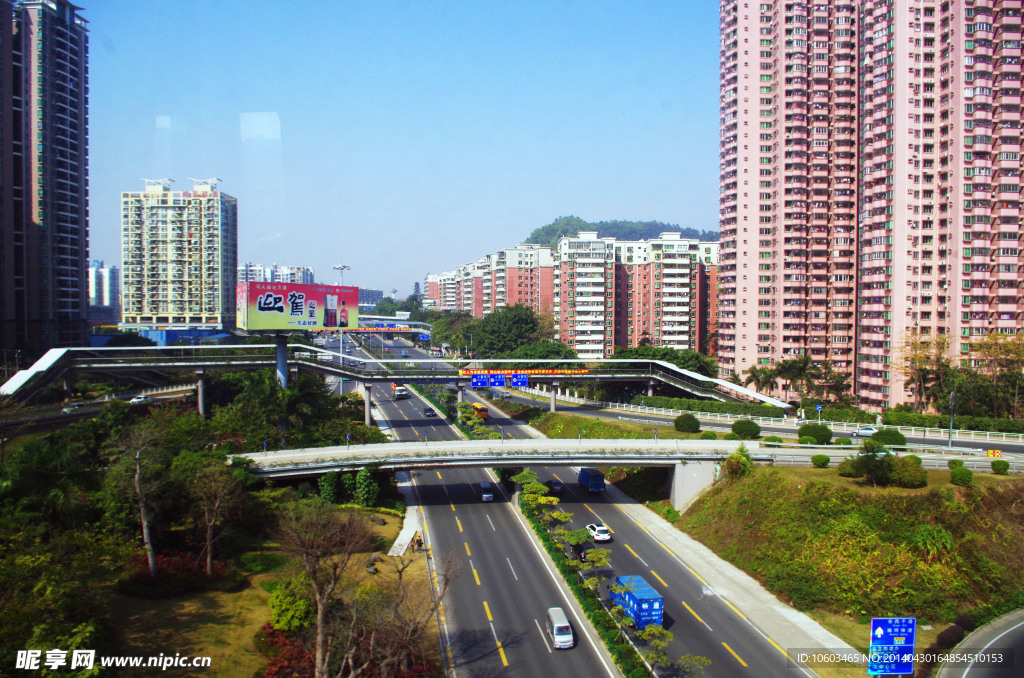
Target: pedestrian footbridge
{"points": [[694, 461]]}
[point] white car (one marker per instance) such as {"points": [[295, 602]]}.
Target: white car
{"points": [[599, 532], [140, 400], [864, 431]]}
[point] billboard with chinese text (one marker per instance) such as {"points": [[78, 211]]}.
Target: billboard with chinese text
{"points": [[293, 306]]}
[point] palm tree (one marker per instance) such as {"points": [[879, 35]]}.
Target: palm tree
{"points": [[763, 378], [796, 371]]}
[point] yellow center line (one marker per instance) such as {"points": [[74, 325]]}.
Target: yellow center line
{"points": [[589, 509], [733, 607], [640, 526], [692, 612], [694, 573], [665, 547], [556, 477], [631, 550], [438, 475], [504, 660], [467, 548], [476, 577], [659, 578], [452, 505], [457, 522], [733, 654], [776, 645], [487, 611]]}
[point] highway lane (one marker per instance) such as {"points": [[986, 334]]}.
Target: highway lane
{"points": [[495, 611], [497, 608], [702, 623]]}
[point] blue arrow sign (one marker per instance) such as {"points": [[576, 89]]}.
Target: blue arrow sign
{"points": [[496, 380], [424, 337], [891, 649], [819, 408], [479, 381], [519, 381]]}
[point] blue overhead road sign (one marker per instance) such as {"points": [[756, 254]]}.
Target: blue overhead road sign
{"points": [[479, 381], [891, 649], [496, 380], [424, 337], [519, 381]]}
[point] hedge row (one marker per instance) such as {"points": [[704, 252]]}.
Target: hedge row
{"points": [[708, 406], [964, 422]]}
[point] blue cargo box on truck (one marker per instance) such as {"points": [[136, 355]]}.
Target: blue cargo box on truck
{"points": [[639, 600], [591, 479]]}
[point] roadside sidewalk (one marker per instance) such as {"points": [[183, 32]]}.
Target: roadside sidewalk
{"points": [[785, 626]]}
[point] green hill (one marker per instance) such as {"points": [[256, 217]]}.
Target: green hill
{"points": [[835, 544], [623, 230]]}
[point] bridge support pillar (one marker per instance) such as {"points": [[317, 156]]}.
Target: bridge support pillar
{"points": [[689, 480], [201, 392], [460, 393], [367, 399], [554, 392], [282, 360], [650, 388]]}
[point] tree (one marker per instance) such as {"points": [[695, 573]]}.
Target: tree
{"points": [[796, 372], [1003, 356], [502, 332], [367, 488], [687, 359], [874, 462], [832, 384], [762, 378], [324, 541], [542, 350], [214, 492], [141, 449]]}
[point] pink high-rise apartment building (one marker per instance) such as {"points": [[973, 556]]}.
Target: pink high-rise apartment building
{"points": [[870, 180]]}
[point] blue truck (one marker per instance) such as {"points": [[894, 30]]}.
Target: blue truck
{"points": [[638, 599], [591, 479]]}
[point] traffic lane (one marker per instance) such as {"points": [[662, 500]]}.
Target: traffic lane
{"points": [[409, 423], [701, 621], [513, 588], [512, 427]]}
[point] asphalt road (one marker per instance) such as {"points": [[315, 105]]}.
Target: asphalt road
{"points": [[496, 608]]}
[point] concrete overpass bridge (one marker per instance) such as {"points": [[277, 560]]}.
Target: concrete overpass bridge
{"points": [[59, 363], [693, 461]]}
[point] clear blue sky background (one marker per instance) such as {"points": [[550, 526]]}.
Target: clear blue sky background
{"points": [[405, 137]]}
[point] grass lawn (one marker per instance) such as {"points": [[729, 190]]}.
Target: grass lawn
{"points": [[936, 479]]}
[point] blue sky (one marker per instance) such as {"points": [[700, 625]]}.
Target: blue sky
{"points": [[403, 138]]}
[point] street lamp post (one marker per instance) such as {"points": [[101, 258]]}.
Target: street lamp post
{"points": [[341, 272], [952, 405]]}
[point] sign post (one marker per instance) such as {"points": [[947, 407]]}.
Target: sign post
{"points": [[891, 648], [819, 414]]}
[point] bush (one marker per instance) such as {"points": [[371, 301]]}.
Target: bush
{"points": [[808, 440], [843, 441], [908, 472], [961, 476], [848, 468], [948, 638], [746, 429], [745, 409], [687, 423], [737, 466], [890, 436], [772, 439], [708, 435], [1000, 467], [731, 436], [955, 463], [820, 460], [822, 434]]}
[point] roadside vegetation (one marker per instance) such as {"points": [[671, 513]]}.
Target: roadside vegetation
{"points": [[140, 504]]}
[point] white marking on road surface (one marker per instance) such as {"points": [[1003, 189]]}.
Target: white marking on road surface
{"points": [[512, 568], [493, 529], [542, 635]]}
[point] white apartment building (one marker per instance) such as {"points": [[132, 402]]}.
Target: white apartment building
{"points": [[179, 254]]}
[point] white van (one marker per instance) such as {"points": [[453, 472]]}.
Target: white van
{"points": [[559, 629], [486, 491]]}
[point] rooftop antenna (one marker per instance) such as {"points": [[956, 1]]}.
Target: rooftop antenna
{"points": [[393, 293]]}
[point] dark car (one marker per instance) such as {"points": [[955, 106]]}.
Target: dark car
{"points": [[555, 486], [429, 412], [579, 551]]}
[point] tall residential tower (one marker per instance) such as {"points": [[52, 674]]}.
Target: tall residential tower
{"points": [[44, 190], [179, 254], [870, 182]]}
